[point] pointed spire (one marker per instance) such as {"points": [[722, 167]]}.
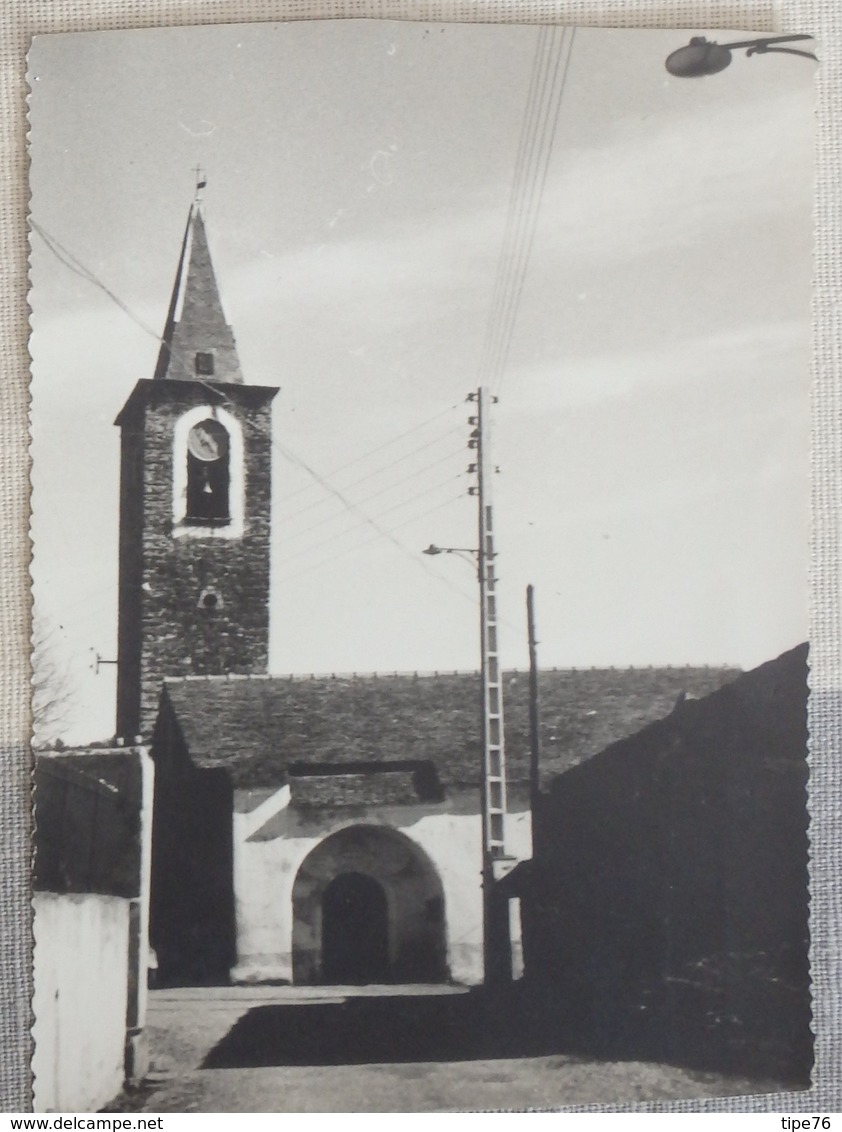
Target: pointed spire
{"points": [[197, 343]]}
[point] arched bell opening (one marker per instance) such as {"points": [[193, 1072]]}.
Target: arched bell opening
{"points": [[208, 474]]}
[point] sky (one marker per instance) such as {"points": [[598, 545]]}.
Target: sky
{"points": [[653, 415]]}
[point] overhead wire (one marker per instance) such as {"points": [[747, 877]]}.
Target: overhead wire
{"points": [[401, 505], [367, 520], [539, 127], [69, 260], [370, 541], [378, 448], [379, 471], [522, 164], [84, 599], [523, 197], [530, 225], [520, 184], [75, 265], [547, 84], [386, 534], [389, 487]]}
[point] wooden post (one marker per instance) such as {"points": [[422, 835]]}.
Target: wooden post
{"points": [[534, 713]]}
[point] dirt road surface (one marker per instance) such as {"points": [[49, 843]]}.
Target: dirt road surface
{"points": [[387, 1049]]}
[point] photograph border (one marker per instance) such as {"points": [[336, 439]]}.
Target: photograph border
{"points": [[18, 25]]}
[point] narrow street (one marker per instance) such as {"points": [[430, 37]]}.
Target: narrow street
{"points": [[372, 1049]]}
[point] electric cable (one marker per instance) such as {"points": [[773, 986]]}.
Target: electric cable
{"points": [[413, 475], [539, 127], [378, 448], [531, 224], [377, 471], [371, 541], [359, 522]]}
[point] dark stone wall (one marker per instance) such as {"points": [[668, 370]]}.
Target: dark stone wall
{"points": [[371, 784], [88, 818], [192, 924], [129, 605], [353, 790], [164, 630], [665, 913]]}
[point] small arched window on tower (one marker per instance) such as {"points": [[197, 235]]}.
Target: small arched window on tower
{"points": [[208, 474]]}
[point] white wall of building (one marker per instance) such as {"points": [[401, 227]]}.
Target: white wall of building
{"points": [[267, 860], [81, 986]]}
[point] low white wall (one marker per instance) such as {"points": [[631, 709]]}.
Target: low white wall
{"points": [[81, 945], [137, 1052]]}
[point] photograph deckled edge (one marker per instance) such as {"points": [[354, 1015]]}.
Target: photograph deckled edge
{"points": [[825, 723]]}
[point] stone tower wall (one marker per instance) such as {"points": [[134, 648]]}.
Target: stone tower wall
{"points": [[164, 628]]}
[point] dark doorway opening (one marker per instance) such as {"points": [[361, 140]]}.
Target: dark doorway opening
{"points": [[355, 931], [368, 907], [192, 918]]}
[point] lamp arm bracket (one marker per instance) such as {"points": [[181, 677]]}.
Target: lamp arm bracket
{"points": [[764, 50]]}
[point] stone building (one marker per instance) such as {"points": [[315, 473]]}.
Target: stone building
{"points": [[665, 910], [195, 462], [323, 830]]}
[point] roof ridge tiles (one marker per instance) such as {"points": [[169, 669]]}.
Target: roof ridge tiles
{"points": [[423, 674], [219, 677]]}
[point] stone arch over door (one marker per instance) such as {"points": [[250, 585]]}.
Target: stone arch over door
{"points": [[414, 949]]}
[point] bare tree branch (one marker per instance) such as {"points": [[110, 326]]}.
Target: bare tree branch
{"points": [[53, 690]]}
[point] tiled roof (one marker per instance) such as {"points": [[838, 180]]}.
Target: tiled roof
{"points": [[258, 726]]}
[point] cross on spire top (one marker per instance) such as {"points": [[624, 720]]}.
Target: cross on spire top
{"points": [[201, 182]]}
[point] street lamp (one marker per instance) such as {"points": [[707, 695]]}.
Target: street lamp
{"points": [[702, 57], [462, 551]]}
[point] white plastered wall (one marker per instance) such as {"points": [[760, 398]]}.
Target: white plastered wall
{"points": [[265, 872], [81, 986]]}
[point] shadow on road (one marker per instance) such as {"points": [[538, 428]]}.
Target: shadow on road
{"points": [[378, 1030], [370, 1029]]}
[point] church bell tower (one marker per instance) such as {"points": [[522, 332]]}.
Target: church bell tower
{"points": [[195, 495]]}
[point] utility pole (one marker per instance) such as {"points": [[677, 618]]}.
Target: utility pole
{"points": [[495, 862], [534, 713]]}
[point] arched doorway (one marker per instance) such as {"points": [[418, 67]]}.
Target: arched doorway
{"points": [[355, 930], [368, 907]]}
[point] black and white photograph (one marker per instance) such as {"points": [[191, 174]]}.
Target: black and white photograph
{"points": [[420, 424]]}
